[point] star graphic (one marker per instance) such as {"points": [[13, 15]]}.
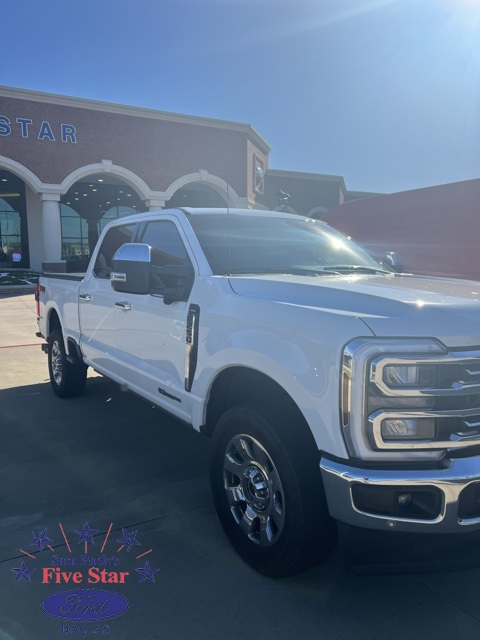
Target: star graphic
{"points": [[86, 533], [129, 539], [40, 539], [23, 572], [147, 572]]}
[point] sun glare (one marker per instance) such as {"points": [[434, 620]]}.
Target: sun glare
{"points": [[465, 13], [461, 8], [467, 3]]}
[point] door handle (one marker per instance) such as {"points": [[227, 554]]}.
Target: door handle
{"points": [[85, 296], [126, 306]]}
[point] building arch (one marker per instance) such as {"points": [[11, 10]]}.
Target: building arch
{"points": [[107, 167], [92, 200], [226, 191], [22, 172]]}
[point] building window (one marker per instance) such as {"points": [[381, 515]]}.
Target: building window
{"points": [[74, 234], [13, 218], [195, 194], [258, 174], [86, 208], [113, 214]]}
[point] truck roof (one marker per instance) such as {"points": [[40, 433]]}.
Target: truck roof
{"points": [[220, 212]]}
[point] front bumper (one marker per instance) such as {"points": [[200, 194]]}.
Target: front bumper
{"points": [[456, 487]]}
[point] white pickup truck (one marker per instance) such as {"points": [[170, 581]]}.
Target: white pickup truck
{"points": [[333, 388]]}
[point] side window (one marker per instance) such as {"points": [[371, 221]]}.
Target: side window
{"points": [[167, 245], [168, 250], [111, 243]]}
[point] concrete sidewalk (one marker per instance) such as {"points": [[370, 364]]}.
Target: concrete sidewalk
{"points": [[18, 342]]}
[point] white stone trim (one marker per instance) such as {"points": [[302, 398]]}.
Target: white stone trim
{"points": [[203, 177], [52, 230], [107, 166], [50, 197], [21, 172], [154, 204]]}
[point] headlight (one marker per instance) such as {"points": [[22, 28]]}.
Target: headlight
{"points": [[409, 398], [409, 376]]}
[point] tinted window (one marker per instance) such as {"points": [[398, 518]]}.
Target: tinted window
{"points": [[259, 243], [111, 243], [167, 245], [168, 250]]}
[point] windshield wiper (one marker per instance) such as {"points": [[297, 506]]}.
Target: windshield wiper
{"points": [[353, 268], [308, 271], [292, 271]]}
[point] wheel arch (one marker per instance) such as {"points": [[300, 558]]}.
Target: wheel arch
{"points": [[240, 385], [54, 323]]}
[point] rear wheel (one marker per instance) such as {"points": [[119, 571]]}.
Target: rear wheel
{"points": [[268, 493], [67, 379]]}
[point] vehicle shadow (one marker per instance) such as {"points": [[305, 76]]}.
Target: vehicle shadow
{"points": [[106, 452], [109, 457]]}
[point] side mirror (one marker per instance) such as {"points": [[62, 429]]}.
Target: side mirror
{"points": [[173, 281], [132, 272], [131, 268]]}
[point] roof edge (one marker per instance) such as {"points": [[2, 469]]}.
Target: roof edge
{"points": [[129, 110], [285, 173]]}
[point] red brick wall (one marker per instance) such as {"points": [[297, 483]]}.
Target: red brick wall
{"points": [[158, 151], [433, 231]]}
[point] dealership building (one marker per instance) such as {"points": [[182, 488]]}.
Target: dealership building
{"points": [[68, 166]]}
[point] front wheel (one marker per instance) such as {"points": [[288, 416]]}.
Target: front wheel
{"points": [[67, 379], [268, 493]]}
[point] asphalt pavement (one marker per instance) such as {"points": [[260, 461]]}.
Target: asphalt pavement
{"points": [[106, 484]]}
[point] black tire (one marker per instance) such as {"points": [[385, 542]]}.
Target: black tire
{"points": [[267, 489], [67, 379]]}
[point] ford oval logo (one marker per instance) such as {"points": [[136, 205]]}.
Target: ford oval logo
{"points": [[85, 605]]}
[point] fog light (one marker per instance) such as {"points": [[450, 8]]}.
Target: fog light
{"points": [[415, 429], [398, 502]]}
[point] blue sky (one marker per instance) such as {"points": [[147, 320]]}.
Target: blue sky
{"points": [[383, 92]]}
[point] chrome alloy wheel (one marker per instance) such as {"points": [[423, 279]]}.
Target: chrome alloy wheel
{"points": [[56, 360], [254, 490]]}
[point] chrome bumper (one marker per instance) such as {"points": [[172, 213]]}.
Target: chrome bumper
{"points": [[340, 479]]}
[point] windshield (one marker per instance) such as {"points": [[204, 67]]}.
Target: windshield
{"points": [[256, 244]]}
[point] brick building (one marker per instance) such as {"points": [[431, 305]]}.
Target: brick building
{"points": [[432, 231], [68, 166]]}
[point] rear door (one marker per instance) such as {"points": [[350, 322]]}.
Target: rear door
{"points": [[97, 302]]}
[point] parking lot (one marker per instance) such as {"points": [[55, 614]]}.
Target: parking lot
{"points": [[112, 462]]}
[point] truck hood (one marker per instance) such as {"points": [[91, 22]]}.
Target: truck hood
{"points": [[390, 305]]}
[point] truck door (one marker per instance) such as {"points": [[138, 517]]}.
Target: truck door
{"points": [[151, 335], [97, 304]]}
